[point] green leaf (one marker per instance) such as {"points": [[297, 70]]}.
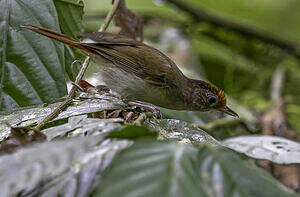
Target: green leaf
{"points": [[70, 13], [153, 168], [132, 132], [223, 173], [31, 66], [273, 148]]}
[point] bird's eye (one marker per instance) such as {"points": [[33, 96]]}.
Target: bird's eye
{"points": [[212, 99]]}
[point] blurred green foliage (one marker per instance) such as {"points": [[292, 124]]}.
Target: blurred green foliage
{"points": [[243, 67]]}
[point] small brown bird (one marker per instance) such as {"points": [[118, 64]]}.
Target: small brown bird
{"points": [[139, 72]]}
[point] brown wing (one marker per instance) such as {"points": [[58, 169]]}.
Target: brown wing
{"points": [[138, 58], [128, 54]]}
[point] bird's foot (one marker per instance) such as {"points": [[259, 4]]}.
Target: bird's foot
{"points": [[146, 107], [85, 86]]}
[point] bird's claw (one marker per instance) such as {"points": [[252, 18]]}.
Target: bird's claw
{"points": [[147, 107]]}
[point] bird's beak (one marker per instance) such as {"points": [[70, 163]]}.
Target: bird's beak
{"points": [[228, 111]]}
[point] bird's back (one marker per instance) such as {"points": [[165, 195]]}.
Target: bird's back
{"points": [[137, 58], [138, 71]]}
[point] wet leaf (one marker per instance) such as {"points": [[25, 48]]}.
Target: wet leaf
{"points": [[82, 126], [178, 130], [275, 149], [63, 168], [82, 176], [28, 116]]}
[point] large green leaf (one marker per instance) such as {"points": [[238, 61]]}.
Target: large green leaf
{"points": [[32, 67], [152, 168], [223, 173]]}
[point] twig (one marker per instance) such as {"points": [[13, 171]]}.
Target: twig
{"points": [[200, 15], [274, 120], [69, 98], [274, 123], [83, 68], [147, 18], [109, 16], [277, 83]]}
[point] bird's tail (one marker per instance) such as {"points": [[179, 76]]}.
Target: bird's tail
{"points": [[57, 36]]}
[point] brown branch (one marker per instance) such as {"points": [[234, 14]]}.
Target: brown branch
{"points": [[199, 15]]}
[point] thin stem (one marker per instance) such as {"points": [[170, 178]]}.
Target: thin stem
{"points": [[69, 98], [277, 83], [109, 16]]}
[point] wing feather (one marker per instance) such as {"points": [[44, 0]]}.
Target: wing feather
{"points": [[137, 58]]}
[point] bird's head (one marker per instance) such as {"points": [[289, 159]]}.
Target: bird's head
{"points": [[209, 97]]}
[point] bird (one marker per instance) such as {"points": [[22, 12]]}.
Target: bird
{"points": [[139, 72]]}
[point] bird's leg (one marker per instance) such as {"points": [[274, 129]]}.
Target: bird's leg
{"points": [[85, 86], [144, 106], [103, 89]]}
